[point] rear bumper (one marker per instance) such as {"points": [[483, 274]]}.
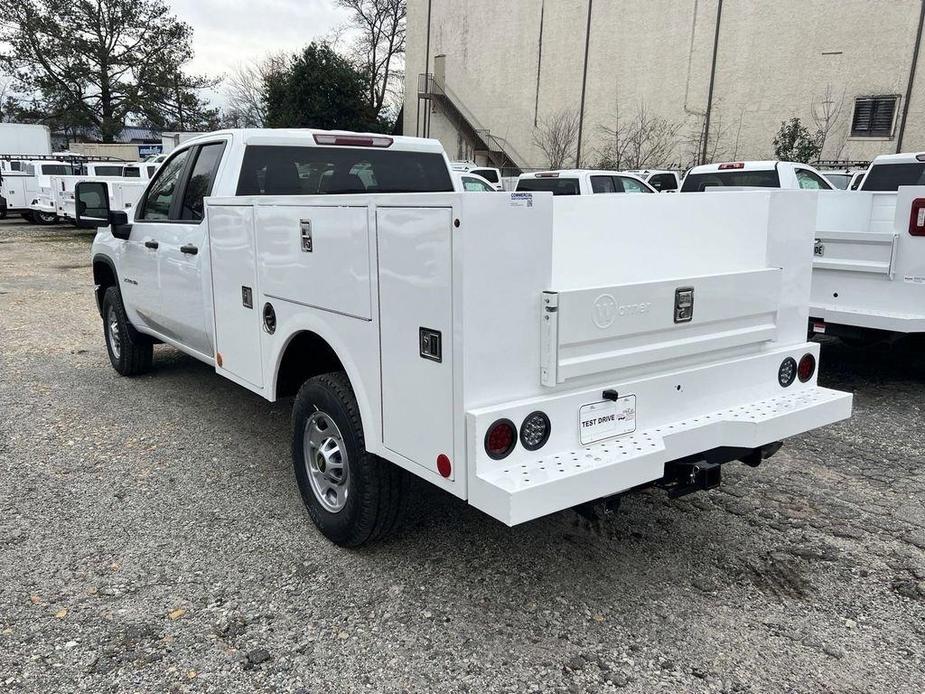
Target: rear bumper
{"points": [[734, 404], [874, 320]]}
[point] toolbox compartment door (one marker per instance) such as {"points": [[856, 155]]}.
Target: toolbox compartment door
{"points": [[416, 306]]}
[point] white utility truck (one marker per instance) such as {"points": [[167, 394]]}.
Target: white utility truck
{"points": [[663, 180], [582, 182], [489, 173], [869, 264], [21, 188], [754, 174], [524, 356]]}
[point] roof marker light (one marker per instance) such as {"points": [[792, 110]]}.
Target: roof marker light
{"points": [[353, 140]]}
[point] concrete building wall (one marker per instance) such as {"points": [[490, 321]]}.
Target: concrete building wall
{"points": [[518, 63]]}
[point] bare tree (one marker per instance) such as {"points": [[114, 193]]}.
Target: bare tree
{"points": [[557, 136], [244, 91], [717, 148], [380, 47], [826, 111], [645, 141]]}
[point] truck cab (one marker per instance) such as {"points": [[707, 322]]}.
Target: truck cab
{"points": [[890, 171], [489, 173], [754, 174], [663, 180], [582, 182]]}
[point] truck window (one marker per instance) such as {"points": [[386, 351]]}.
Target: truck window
{"points": [[665, 181], [631, 185], [556, 186], [131, 172], [807, 180], [157, 202], [839, 180], [200, 181], [296, 170], [488, 174], [889, 177], [603, 184], [695, 183], [474, 185], [107, 171], [56, 169]]}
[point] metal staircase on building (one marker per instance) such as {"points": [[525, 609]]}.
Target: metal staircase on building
{"points": [[432, 92]]}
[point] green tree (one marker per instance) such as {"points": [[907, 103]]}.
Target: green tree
{"points": [[104, 62], [320, 89], [794, 142]]}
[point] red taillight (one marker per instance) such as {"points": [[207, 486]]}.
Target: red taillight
{"points": [[353, 140], [732, 165], [500, 439], [807, 368], [917, 218]]}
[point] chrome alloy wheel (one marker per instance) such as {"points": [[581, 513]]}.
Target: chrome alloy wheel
{"points": [[326, 462], [112, 328]]}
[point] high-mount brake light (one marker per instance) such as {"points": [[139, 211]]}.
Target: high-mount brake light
{"points": [[500, 439], [807, 367], [548, 174], [353, 140], [917, 218], [732, 165]]}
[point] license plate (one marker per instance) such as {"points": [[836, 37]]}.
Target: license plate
{"points": [[606, 419]]}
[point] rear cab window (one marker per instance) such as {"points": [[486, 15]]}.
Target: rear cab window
{"points": [[665, 181], [300, 170], [488, 174], [889, 177], [766, 178], [556, 186]]}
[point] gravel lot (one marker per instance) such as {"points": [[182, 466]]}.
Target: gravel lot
{"points": [[152, 539]]}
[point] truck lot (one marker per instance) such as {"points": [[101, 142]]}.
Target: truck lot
{"points": [[151, 538]]}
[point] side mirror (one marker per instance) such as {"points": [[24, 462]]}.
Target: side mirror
{"points": [[91, 204], [91, 209]]}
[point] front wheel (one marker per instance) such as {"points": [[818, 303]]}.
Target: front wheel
{"points": [[129, 352], [352, 496]]}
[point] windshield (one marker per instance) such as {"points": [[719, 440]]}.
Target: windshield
{"points": [[695, 183], [889, 177], [556, 186], [839, 180]]}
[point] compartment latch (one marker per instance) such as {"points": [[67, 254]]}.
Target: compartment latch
{"points": [[683, 304]]}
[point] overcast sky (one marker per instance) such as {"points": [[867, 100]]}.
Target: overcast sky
{"points": [[229, 32]]}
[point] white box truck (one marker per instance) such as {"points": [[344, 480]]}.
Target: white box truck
{"points": [[525, 356]]}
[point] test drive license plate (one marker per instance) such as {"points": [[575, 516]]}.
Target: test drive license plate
{"points": [[606, 419]]}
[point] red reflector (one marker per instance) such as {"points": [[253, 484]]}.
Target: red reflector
{"points": [[807, 368], [733, 165], [443, 465], [500, 439], [819, 328], [353, 140], [917, 218]]}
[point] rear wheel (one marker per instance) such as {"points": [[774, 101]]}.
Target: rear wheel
{"points": [[45, 217], [352, 496], [129, 352]]}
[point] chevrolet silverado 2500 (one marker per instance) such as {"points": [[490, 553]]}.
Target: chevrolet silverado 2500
{"points": [[522, 355]]}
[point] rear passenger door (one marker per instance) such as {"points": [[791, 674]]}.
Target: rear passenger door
{"points": [[183, 249]]}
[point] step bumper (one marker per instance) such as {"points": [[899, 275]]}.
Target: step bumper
{"points": [[558, 480]]}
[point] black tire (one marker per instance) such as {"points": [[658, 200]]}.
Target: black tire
{"points": [[3, 213], [45, 218], [374, 489], [27, 216], [134, 352]]}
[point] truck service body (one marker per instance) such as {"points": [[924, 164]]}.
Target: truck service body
{"points": [[525, 356], [869, 262]]}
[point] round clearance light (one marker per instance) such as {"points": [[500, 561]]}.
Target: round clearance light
{"points": [[500, 439], [787, 372], [269, 318], [534, 432], [807, 368]]}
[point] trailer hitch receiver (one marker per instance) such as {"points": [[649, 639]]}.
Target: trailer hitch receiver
{"points": [[686, 476]]}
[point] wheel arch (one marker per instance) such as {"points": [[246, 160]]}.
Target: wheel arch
{"points": [[104, 276]]}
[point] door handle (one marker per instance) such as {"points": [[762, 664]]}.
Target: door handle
{"points": [[189, 249], [151, 244]]}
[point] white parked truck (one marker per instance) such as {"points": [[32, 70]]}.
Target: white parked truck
{"points": [[663, 180], [489, 173], [20, 188], [522, 356], [869, 257], [754, 174], [582, 182]]}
